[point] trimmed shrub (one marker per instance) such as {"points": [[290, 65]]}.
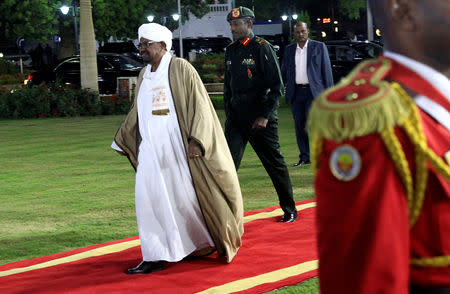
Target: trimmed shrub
{"points": [[115, 104], [210, 67], [42, 101], [7, 67], [9, 79]]}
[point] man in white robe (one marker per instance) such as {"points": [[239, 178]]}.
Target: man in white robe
{"points": [[172, 223]]}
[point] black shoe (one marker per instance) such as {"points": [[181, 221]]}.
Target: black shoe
{"points": [[289, 217], [145, 267], [302, 162]]}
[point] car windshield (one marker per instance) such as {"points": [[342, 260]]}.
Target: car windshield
{"points": [[122, 62], [370, 50]]}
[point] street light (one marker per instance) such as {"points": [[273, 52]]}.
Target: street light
{"points": [[285, 17], [65, 9], [176, 17]]}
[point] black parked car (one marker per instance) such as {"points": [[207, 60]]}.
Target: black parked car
{"points": [[110, 67], [345, 55], [125, 48], [201, 45]]}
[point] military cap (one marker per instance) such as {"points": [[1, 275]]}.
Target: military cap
{"points": [[240, 12]]}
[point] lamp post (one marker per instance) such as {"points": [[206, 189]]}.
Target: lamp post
{"points": [[180, 37], [369, 23], [285, 17], [175, 17], [65, 9]]}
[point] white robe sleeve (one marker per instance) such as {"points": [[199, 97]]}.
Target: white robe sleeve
{"points": [[115, 147]]}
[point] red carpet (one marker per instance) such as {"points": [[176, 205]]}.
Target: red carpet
{"points": [[273, 255]]}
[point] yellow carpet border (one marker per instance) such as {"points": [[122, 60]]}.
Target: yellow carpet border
{"points": [[129, 244], [271, 277]]}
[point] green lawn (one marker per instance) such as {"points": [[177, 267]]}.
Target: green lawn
{"points": [[62, 187]]}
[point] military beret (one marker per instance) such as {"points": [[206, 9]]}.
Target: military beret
{"points": [[240, 12]]}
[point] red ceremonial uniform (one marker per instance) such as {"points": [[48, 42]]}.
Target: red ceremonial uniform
{"points": [[382, 183]]}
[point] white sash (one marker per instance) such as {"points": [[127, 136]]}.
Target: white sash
{"points": [[436, 111]]}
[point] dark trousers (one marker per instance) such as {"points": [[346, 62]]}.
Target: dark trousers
{"points": [[300, 109], [267, 147]]}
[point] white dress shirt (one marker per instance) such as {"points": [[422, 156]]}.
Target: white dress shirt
{"points": [[301, 59]]}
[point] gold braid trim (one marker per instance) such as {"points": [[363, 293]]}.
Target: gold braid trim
{"points": [[316, 149], [439, 261], [414, 130], [413, 127], [421, 170], [401, 164]]}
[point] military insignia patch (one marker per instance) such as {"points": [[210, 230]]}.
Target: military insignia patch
{"points": [[248, 61], [245, 41], [249, 73], [345, 163], [235, 13]]}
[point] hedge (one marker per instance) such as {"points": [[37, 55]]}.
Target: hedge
{"points": [[210, 67], [57, 101]]}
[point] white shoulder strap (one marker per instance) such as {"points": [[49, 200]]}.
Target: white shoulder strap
{"points": [[435, 110]]}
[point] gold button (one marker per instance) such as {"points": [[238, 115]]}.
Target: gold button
{"points": [[359, 82], [369, 69], [352, 96]]}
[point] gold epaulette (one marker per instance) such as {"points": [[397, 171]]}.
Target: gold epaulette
{"points": [[260, 41]]}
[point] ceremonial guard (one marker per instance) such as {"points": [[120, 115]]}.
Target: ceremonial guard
{"points": [[381, 156], [381, 160]]}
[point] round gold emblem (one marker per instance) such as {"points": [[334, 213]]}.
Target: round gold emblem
{"points": [[345, 163], [235, 13]]}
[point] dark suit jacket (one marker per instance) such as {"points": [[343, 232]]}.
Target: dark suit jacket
{"points": [[318, 69]]}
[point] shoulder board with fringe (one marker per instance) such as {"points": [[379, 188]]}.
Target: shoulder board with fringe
{"points": [[260, 41], [362, 103]]}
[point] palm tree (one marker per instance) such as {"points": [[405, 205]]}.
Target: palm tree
{"points": [[88, 54]]}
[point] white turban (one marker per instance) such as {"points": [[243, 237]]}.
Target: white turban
{"points": [[156, 32]]}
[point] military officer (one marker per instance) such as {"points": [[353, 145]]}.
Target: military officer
{"points": [[253, 86]]}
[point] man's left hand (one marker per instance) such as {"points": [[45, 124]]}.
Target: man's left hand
{"points": [[194, 149], [260, 123]]}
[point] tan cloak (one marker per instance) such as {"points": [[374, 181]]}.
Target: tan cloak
{"points": [[214, 175]]}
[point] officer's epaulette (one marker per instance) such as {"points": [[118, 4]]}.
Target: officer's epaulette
{"points": [[360, 104], [260, 41]]}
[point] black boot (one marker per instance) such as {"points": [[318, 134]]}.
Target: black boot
{"points": [[289, 217]]}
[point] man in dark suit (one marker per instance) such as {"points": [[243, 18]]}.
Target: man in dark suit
{"points": [[306, 72]]}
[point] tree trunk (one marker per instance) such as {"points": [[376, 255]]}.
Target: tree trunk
{"points": [[88, 54]]}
